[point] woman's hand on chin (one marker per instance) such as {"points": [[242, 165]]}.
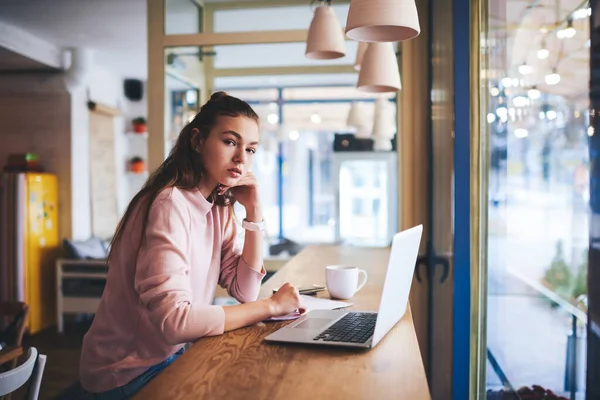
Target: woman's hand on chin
{"points": [[245, 192]]}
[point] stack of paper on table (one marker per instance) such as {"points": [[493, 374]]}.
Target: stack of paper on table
{"points": [[313, 303]]}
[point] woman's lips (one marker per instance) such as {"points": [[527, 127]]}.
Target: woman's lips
{"points": [[234, 172]]}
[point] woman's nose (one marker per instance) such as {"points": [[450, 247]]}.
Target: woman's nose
{"points": [[239, 157]]}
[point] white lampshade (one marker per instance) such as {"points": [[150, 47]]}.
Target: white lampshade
{"points": [[382, 20], [362, 47], [382, 144], [357, 120], [379, 70], [325, 36], [383, 127], [383, 123], [356, 115]]}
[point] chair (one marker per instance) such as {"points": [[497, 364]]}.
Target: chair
{"points": [[32, 369], [13, 321]]}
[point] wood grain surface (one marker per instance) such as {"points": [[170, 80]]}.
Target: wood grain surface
{"points": [[240, 365]]}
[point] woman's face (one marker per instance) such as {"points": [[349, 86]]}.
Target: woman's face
{"points": [[228, 151]]}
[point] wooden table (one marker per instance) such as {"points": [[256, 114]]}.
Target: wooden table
{"points": [[240, 365]]}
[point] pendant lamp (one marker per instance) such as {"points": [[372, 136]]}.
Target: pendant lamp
{"points": [[383, 126], [362, 47], [379, 71], [382, 20], [325, 35], [356, 119]]}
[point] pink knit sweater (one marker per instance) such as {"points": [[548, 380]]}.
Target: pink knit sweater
{"points": [[149, 309]]}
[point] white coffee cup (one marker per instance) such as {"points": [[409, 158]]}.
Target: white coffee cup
{"points": [[342, 280]]}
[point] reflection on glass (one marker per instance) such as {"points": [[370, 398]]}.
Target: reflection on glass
{"points": [[537, 123], [182, 17], [296, 155]]}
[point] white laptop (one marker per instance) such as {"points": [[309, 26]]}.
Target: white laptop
{"points": [[361, 328]]}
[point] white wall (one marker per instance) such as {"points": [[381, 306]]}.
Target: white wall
{"points": [[80, 166], [107, 88], [133, 145]]}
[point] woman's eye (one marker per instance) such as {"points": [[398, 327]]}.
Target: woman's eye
{"points": [[229, 142], [251, 151]]}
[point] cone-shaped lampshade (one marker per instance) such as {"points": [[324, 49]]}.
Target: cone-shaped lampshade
{"points": [[383, 126], [357, 119], [379, 71], [362, 47], [356, 116], [325, 36], [382, 20]]}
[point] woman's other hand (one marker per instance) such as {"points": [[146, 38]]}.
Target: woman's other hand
{"points": [[285, 301]]}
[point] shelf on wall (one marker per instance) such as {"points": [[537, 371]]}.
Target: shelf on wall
{"points": [[137, 135], [140, 175]]}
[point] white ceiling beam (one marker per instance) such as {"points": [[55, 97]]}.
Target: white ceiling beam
{"points": [[291, 70], [228, 38], [238, 5], [22, 42]]}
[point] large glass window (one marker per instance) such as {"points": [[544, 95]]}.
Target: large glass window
{"points": [[241, 56], [270, 18], [536, 109], [305, 183], [183, 16]]}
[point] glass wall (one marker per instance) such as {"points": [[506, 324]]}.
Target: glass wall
{"points": [[183, 17], [536, 108], [305, 183]]}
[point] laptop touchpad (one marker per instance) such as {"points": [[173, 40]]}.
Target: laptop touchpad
{"points": [[313, 323]]}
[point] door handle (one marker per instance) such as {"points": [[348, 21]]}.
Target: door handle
{"points": [[431, 261]]}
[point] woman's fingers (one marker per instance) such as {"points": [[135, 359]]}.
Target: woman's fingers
{"points": [[247, 180]]}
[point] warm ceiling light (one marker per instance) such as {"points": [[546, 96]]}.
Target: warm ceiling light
{"points": [[543, 52], [360, 53], [568, 32], [582, 13], [382, 20], [525, 69], [533, 93], [553, 78], [379, 72], [325, 36]]}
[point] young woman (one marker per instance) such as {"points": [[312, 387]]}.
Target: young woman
{"points": [[174, 244]]}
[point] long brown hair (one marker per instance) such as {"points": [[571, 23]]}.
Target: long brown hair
{"points": [[184, 167]]}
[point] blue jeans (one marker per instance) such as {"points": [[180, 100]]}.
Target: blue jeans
{"points": [[131, 388]]}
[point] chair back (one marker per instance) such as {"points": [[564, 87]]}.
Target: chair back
{"points": [[14, 378], [13, 321]]}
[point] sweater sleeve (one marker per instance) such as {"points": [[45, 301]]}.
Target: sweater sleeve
{"points": [[162, 277], [240, 280]]}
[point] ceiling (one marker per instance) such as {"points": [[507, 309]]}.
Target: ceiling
{"points": [[114, 29], [11, 61]]}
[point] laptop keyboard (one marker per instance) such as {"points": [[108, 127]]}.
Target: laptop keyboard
{"points": [[352, 328]]}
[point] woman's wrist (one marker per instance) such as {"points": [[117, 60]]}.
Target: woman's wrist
{"points": [[254, 213], [272, 306]]}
